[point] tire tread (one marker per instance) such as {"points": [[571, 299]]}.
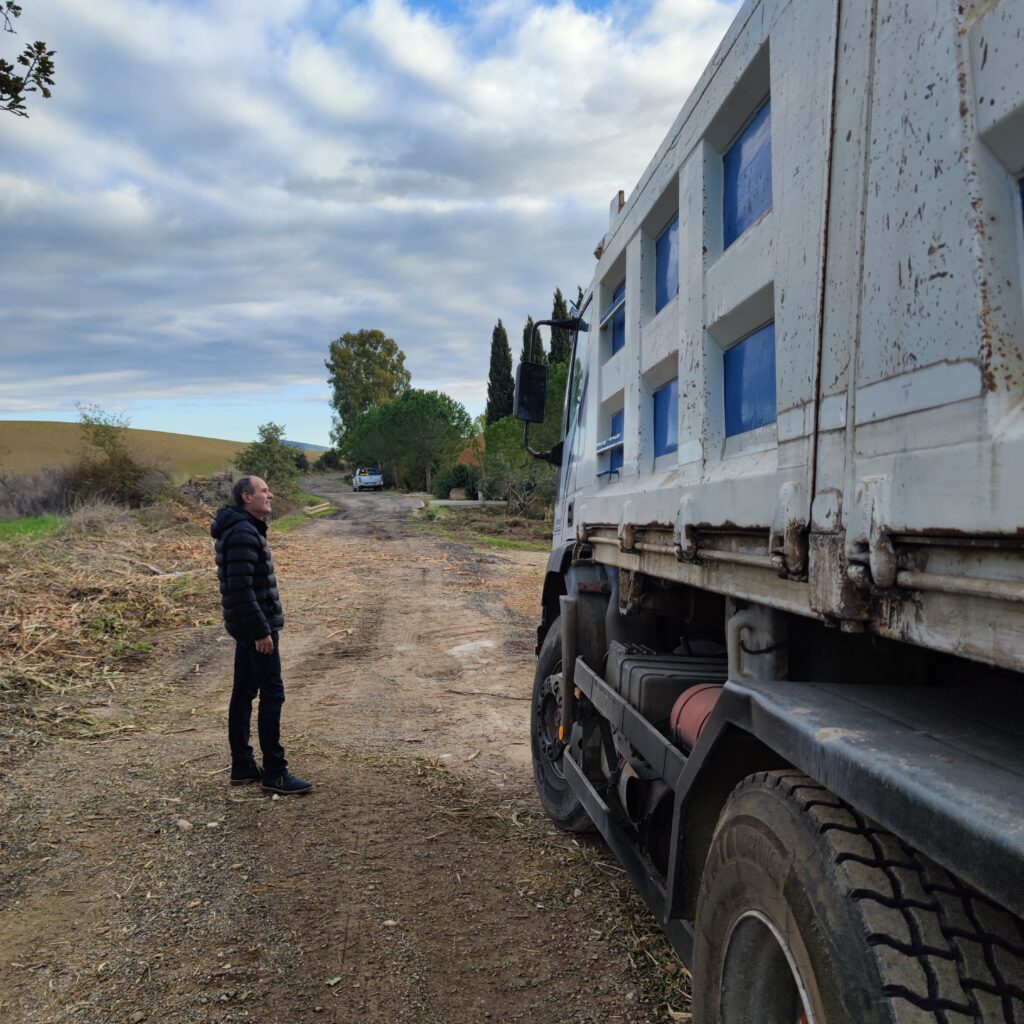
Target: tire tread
{"points": [[944, 949]]}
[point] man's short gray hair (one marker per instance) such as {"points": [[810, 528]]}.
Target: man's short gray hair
{"points": [[243, 485]]}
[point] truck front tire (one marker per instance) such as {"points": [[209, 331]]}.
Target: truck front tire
{"points": [[559, 801], [810, 912]]}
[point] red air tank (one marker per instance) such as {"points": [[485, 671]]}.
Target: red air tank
{"points": [[691, 710]]}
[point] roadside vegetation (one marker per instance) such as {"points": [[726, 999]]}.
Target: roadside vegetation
{"points": [[79, 607], [103, 469], [490, 526], [100, 557], [426, 441]]}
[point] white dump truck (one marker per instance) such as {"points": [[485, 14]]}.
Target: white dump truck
{"points": [[782, 626]]}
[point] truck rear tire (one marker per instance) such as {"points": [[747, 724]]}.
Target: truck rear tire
{"points": [[559, 801], [808, 912]]}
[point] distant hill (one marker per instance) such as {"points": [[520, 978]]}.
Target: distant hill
{"points": [[30, 445], [305, 446]]}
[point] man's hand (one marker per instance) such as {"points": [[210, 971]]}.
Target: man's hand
{"points": [[265, 645]]}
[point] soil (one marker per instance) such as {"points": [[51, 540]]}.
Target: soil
{"points": [[418, 882]]}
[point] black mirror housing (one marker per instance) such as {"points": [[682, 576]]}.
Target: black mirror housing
{"points": [[530, 402]]}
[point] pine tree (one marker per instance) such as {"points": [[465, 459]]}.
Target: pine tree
{"points": [[559, 335], [539, 356], [500, 387]]}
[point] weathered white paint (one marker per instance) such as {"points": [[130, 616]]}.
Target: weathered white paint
{"points": [[940, 384]]}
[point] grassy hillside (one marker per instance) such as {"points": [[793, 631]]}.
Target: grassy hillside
{"points": [[27, 446]]}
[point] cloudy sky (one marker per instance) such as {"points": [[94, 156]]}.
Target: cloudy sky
{"points": [[220, 187]]}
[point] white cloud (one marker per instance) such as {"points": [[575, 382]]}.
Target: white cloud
{"points": [[219, 187], [411, 41]]}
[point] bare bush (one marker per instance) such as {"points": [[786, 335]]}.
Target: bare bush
{"points": [[35, 494]]}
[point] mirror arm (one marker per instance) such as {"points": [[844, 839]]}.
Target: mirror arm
{"points": [[552, 455]]}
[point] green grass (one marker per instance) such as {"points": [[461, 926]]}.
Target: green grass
{"points": [[30, 526], [510, 543], [288, 523]]}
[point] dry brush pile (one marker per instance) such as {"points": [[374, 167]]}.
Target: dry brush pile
{"points": [[79, 607]]}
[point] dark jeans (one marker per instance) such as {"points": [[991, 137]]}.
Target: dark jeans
{"points": [[257, 675]]}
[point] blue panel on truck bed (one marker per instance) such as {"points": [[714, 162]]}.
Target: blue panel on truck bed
{"points": [[666, 418], [750, 382], [666, 265], [747, 167], [615, 454]]}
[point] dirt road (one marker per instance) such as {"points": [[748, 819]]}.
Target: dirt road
{"points": [[419, 882]]}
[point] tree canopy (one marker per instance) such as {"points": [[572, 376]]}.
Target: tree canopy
{"points": [[365, 368], [559, 335], [410, 437], [36, 62], [271, 458], [500, 387], [539, 355]]}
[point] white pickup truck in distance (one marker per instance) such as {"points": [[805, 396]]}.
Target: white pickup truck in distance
{"points": [[367, 480]]}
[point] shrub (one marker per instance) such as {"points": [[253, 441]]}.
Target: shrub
{"points": [[107, 470], [511, 474], [35, 494], [329, 460], [466, 477], [272, 459]]}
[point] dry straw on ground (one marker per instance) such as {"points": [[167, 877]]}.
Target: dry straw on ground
{"points": [[77, 607]]}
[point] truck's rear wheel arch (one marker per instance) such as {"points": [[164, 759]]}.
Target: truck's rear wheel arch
{"points": [[554, 588]]}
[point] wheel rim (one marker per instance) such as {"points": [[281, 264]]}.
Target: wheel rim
{"points": [[547, 715], [760, 980]]}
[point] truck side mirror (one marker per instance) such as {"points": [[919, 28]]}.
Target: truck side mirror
{"points": [[531, 395]]}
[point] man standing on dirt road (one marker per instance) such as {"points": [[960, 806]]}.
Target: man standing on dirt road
{"points": [[254, 617]]}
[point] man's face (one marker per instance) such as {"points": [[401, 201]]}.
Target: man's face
{"points": [[258, 503]]}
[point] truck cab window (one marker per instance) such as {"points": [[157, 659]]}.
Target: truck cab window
{"points": [[613, 320]]}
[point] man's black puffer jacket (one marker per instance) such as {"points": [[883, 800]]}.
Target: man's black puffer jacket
{"points": [[248, 586]]}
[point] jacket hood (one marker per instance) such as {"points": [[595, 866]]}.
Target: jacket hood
{"points": [[229, 516]]}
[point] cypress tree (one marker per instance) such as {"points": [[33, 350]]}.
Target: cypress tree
{"points": [[538, 349], [559, 336], [500, 387]]}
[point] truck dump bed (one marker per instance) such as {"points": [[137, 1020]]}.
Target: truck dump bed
{"points": [[803, 376]]}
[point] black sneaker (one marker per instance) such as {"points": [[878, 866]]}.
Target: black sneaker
{"points": [[286, 784], [245, 775]]}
